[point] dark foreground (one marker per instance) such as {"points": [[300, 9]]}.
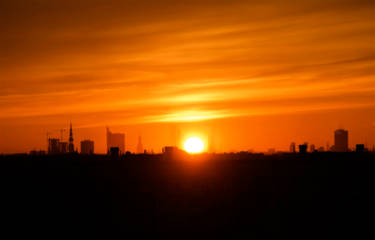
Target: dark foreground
{"points": [[317, 196]]}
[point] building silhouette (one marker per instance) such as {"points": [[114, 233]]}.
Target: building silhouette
{"points": [[87, 147], [53, 146], [58, 146], [115, 140], [302, 148], [114, 152], [140, 146], [63, 147], [341, 140], [360, 148], [172, 152], [71, 144]]}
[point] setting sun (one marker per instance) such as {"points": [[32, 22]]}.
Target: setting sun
{"points": [[194, 145]]}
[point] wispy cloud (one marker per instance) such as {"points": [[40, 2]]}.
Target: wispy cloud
{"points": [[67, 57]]}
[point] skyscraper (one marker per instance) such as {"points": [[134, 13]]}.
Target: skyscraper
{"points": [[115, 140], [53, 146], [71, 144], [341, 140], [87, 147], [63, 147]]}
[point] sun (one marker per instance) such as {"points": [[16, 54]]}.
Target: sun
{"points": [[194, 145]]}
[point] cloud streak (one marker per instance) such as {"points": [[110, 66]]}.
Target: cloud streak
{"points": [[171, 61]]}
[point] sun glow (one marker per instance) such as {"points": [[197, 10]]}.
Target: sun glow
{"points": [[194, 145]]}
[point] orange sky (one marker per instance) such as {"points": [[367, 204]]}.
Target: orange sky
{"points": [[241, 74]]}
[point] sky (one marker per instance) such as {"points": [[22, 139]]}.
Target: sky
{"points": [[242, 75]]}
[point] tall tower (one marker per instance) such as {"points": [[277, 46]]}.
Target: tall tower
{"points": [[341, 140], [115, 140], [71, 145]]}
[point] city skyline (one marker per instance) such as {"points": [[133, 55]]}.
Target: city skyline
{"points": [[183, 132], [117, 140]]}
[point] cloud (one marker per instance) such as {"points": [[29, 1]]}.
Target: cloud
{"points": [[161, 60]]}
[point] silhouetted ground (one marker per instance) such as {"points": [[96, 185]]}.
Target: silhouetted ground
{"points": [[315, 196]]}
